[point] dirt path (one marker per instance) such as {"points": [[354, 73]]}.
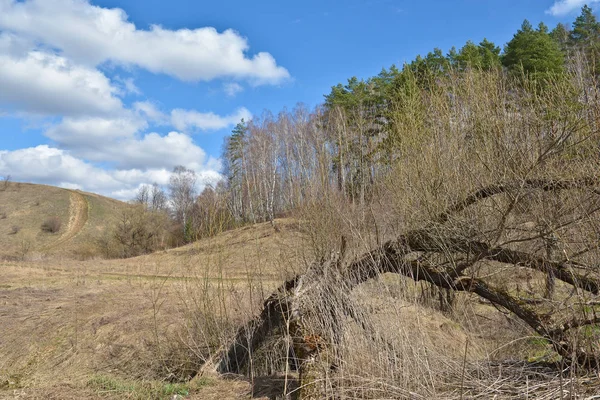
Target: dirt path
{"points": [[78, 217]]}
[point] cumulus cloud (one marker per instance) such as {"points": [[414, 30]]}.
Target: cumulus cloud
{"points": [[93, 133], [92, 35], [186, 120], [564, 7], [154, 150], [119, 145], [47, 84], [50, 165], [117, 141], [54, 166], [100, 141]]}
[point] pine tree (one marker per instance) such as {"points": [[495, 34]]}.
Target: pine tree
{"points": [[534, 53], [586, 29], [485, 56], [469, 57], [585, 37], [234, 167], [490, 55], [561, 35]]}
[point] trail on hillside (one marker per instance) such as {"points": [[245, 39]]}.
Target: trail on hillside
{"points": [[78, 217]]}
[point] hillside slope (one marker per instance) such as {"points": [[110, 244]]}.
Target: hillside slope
{"points": [[111, 327], [83, 217]]}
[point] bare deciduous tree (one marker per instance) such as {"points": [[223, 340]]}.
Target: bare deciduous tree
{"points": [[182, 188], [6, 182], [158, 198]]}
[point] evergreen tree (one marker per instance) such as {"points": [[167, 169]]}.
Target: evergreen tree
{"points": [[436, 62], [484, 56], [586, 29], [490, 55], [235, 149], [452, 57], [561, 35], [533, 52], [585, 37], [234, 166], [469, 56]]}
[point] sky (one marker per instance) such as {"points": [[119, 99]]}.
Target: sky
{"points": [[108, 95]]}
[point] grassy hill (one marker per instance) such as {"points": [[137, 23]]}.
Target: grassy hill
{"points": [[108, 328], [76, 219], [74, 326], [124, 328]]}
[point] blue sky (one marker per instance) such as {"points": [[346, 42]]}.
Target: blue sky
{"points": [[108, 95]]}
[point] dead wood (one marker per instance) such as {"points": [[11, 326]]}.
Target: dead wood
{"points": [[284, 308]]}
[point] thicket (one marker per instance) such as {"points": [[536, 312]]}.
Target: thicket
{"points": [[464, 182], [351, 145], [474, 173], [160, 219], [362, 132]]}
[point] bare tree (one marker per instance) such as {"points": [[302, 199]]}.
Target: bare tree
{"points": [[6, 181], [142, 196], [158, 198], [182, 188]]}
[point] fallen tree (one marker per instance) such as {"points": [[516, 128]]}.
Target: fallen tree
{"points": [[411, 255]]}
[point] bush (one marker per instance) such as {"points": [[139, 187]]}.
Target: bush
{"points": [[5, 183], [14, 230], [51, 225]]}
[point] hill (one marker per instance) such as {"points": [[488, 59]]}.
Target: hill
{"points": [[74, 221], [151, 326], [119, 328], [87, 329]]}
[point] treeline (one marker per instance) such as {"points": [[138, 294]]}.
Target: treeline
{"points": [[274, 163], [540, 88], [159, 219]]}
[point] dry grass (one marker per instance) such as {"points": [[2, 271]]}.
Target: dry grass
{"points": [[81, 218], [138, 320], [65, 321]]}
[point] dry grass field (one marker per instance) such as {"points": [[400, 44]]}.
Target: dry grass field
{"points": [[75, 327], [82, 219], [94, 328]]}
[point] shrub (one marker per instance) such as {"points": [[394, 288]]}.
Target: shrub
{"points": [[14, 230], [5, 183], [51, 225]]}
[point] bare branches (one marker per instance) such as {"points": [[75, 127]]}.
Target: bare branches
{"points": [[425, 241], [545, 185]]}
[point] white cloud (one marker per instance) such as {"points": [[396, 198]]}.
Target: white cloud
{"points": [[57, 167], [50, 69], [564, 7], [53, 166], [186, 120], [93, 35], [232, 89], [154, 151], [150, 111], [93, 133], [117, 141], [128, 86], [46, 84]]}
